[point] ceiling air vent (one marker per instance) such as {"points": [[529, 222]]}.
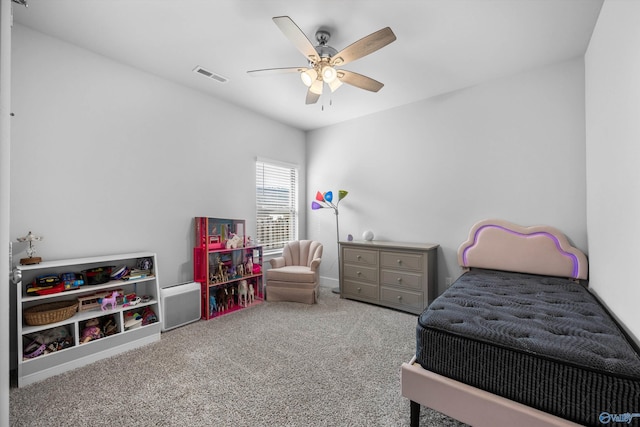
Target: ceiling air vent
{"points": [[210, 74]]}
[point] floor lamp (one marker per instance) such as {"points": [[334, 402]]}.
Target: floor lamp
{"points": [[323, 201]]}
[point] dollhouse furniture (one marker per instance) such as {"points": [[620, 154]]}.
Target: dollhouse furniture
{"points": [[519, 340], [295, 276], [224, 262]]}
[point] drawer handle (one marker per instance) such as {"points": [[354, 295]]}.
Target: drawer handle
{"points": [[359, 289], [359, 257], [399, 297], [399, 279], [399, 261], [359, 273]]}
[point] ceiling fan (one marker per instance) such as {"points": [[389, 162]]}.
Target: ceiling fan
{"points": [[323, 59]]}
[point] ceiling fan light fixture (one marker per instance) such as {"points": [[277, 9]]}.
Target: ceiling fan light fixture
{"points": [[316, 87], [329, 73], [334, 85], [308, 77]]}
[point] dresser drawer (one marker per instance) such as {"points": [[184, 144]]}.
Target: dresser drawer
{"points": [[401, 278], [360, 273], [362, 290], [403, 260], [397, 297], [360, 257]]}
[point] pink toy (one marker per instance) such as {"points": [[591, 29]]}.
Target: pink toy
{"points": [[110, 300], [91, 331]]}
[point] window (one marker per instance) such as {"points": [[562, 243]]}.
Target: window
{"points": [[276, 204]]}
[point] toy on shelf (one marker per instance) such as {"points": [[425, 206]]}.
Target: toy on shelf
{"points": [[131, 300], [112, 300], [71, 280], [31, 250], [148, 316], [234, 242], [91, 331], [93, 301], [213, 307], [248, 268], [132, 321], [34, 349], [46, 342], [135, 319], [110, 327], [243, 290], [230, 297]]}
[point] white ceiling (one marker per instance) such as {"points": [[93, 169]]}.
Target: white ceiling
{"points": [[441, 46]]}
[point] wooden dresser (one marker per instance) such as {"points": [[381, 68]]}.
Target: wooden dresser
{"points": [[392, 274]]}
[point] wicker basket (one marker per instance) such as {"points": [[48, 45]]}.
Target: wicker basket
{"points": [[51, 312]]}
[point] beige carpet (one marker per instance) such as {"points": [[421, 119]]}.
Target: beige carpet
{"points": [[335, 363]]}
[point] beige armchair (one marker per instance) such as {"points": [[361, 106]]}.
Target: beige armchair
{"points": [[295, 276]]}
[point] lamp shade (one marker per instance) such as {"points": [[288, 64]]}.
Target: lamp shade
{"points": [[328, 196], [308, 76], [316, 205], [329, 73], [334, 85], [316, 87]]}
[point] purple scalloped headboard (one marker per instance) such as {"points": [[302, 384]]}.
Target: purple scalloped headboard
{"points": [[500, 245]]}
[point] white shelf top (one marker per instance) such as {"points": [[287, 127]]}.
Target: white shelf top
{"points": [[88, 260]]}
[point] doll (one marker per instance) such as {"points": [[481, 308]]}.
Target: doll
{"points": [[91, 331]]}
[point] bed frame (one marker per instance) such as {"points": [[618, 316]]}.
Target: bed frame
{"points": [[497, 245]]}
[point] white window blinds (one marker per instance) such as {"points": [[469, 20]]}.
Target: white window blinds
{"points": [[276, 204]]}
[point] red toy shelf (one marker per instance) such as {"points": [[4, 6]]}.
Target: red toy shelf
{"points": [[228, 269]]}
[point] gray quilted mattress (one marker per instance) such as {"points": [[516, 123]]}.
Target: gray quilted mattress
{"points": [[542, 341]]}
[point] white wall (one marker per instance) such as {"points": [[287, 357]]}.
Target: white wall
{"points": [[511, 148], [5, 188], [108, 159], [612, 66]]}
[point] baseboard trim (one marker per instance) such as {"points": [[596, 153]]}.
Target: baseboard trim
{"points": [[329, 282]]}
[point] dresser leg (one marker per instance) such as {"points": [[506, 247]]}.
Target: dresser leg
{"points": [[415, 414]]}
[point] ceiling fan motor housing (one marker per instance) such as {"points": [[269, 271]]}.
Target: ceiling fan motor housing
{"points": [[323, 49]]}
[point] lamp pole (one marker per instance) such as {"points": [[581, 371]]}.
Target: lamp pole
{"points": [[339, 288], [326, 201]]}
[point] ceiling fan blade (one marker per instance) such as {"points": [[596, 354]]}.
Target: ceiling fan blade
{"points": [[312, 98], [360, 81], [270, 71], [297, 37], [364, 46]]}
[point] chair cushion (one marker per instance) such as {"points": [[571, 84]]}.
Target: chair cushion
{"points": [[301, 252], [292, 273]]}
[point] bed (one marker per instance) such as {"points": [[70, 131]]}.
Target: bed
{"points": [[519, 340]]}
